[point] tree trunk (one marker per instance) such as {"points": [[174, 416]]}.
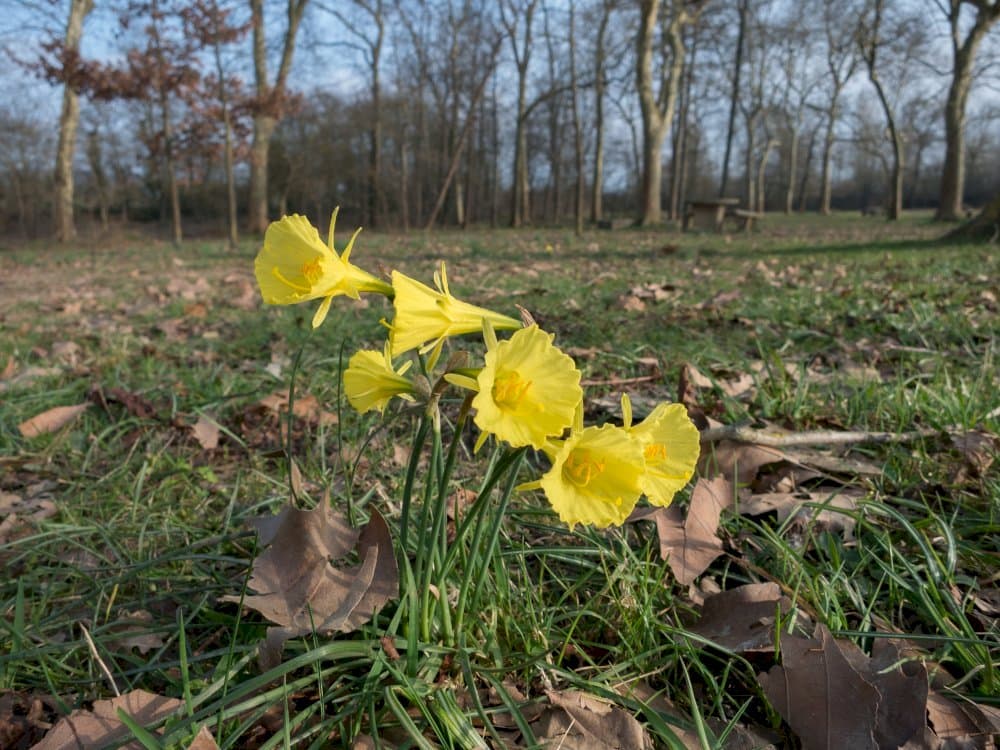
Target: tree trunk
{"points": [[581, 183], [597, 186], [232, 228], [744, 7], [895, 207], [100, 179], [69, 117], [986, 226], [269, 109], [826, 190], [762, 173], [520, 199], [793, 166], [806, 171], [657, 109], [964, 54]]}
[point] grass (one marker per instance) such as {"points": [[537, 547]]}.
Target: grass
{"points": [[150, 530]]}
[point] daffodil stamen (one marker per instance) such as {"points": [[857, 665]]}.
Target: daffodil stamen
{"points": [[656, 452], [509, 389], [581, 468], [312, 270]]}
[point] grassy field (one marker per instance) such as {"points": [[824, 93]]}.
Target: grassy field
{"points": [[121, 532]]}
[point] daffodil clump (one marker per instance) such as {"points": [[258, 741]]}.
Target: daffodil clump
{"points": [[525, 392]]}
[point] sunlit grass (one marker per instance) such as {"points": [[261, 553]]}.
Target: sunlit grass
{"points": [[149, 522]]}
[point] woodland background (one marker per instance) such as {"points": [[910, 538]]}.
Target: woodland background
{"points": [[214, 116]]}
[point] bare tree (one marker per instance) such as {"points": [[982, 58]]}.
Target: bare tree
{"points": [[370, 45], [744, 9], [987, 12], [270, 105], [69, 117], [842, 57], [600, 84], [581, 180], [517, 17], [901, 42], [657, 100]]}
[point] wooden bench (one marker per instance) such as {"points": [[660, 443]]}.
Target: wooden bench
{"points": [[708, 214], [744, 219]]}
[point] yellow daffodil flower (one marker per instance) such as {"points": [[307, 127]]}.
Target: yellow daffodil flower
{"points": [[294, 266], [425, 317], [528, 389], [671, 445], [370, 380], [595, 477]]}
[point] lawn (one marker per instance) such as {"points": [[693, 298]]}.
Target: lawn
{"points": [[839, 546]]}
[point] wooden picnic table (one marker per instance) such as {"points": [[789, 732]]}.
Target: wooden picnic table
{"points": [[708, 214]]}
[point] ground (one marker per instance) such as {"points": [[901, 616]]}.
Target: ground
{"points": [[124, 521]]}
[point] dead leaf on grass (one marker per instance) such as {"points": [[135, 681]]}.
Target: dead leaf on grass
{"points": [[821, 675], [577, 721], [133, 631], [66, 353], [978, 450], [743, 619], [742, 385], [835, 517], [301, 592], [101, 727], [51, 420], [306, 407], [206, 432], [966, 724], [25, 718], [690, 543]]}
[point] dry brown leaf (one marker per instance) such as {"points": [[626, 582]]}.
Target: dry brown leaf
{"points": [[203, 741], [66, 353], [978, 449], [967, 724], [743, 619], [577, 721], [301, 592], [690, 543], [632, 303], [25, 718], [736, 462], [789, 504], [812, 686], [84, 730], [821, 675], [206, 432], [306, 407], [132, 631], [16, 512], [51, 420]]}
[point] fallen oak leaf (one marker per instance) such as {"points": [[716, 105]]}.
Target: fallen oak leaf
{"points": [[301, 592], [101, 727], [51, 420], [810, 688], [206, 432], [965, 723], [690, 543], [887, 695], [578, 720], [744, 619]]}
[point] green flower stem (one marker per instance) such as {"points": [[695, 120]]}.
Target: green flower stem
{"points": [[291, 416], [499, 464], [411, 474], [492, 538], [425, 541]]}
